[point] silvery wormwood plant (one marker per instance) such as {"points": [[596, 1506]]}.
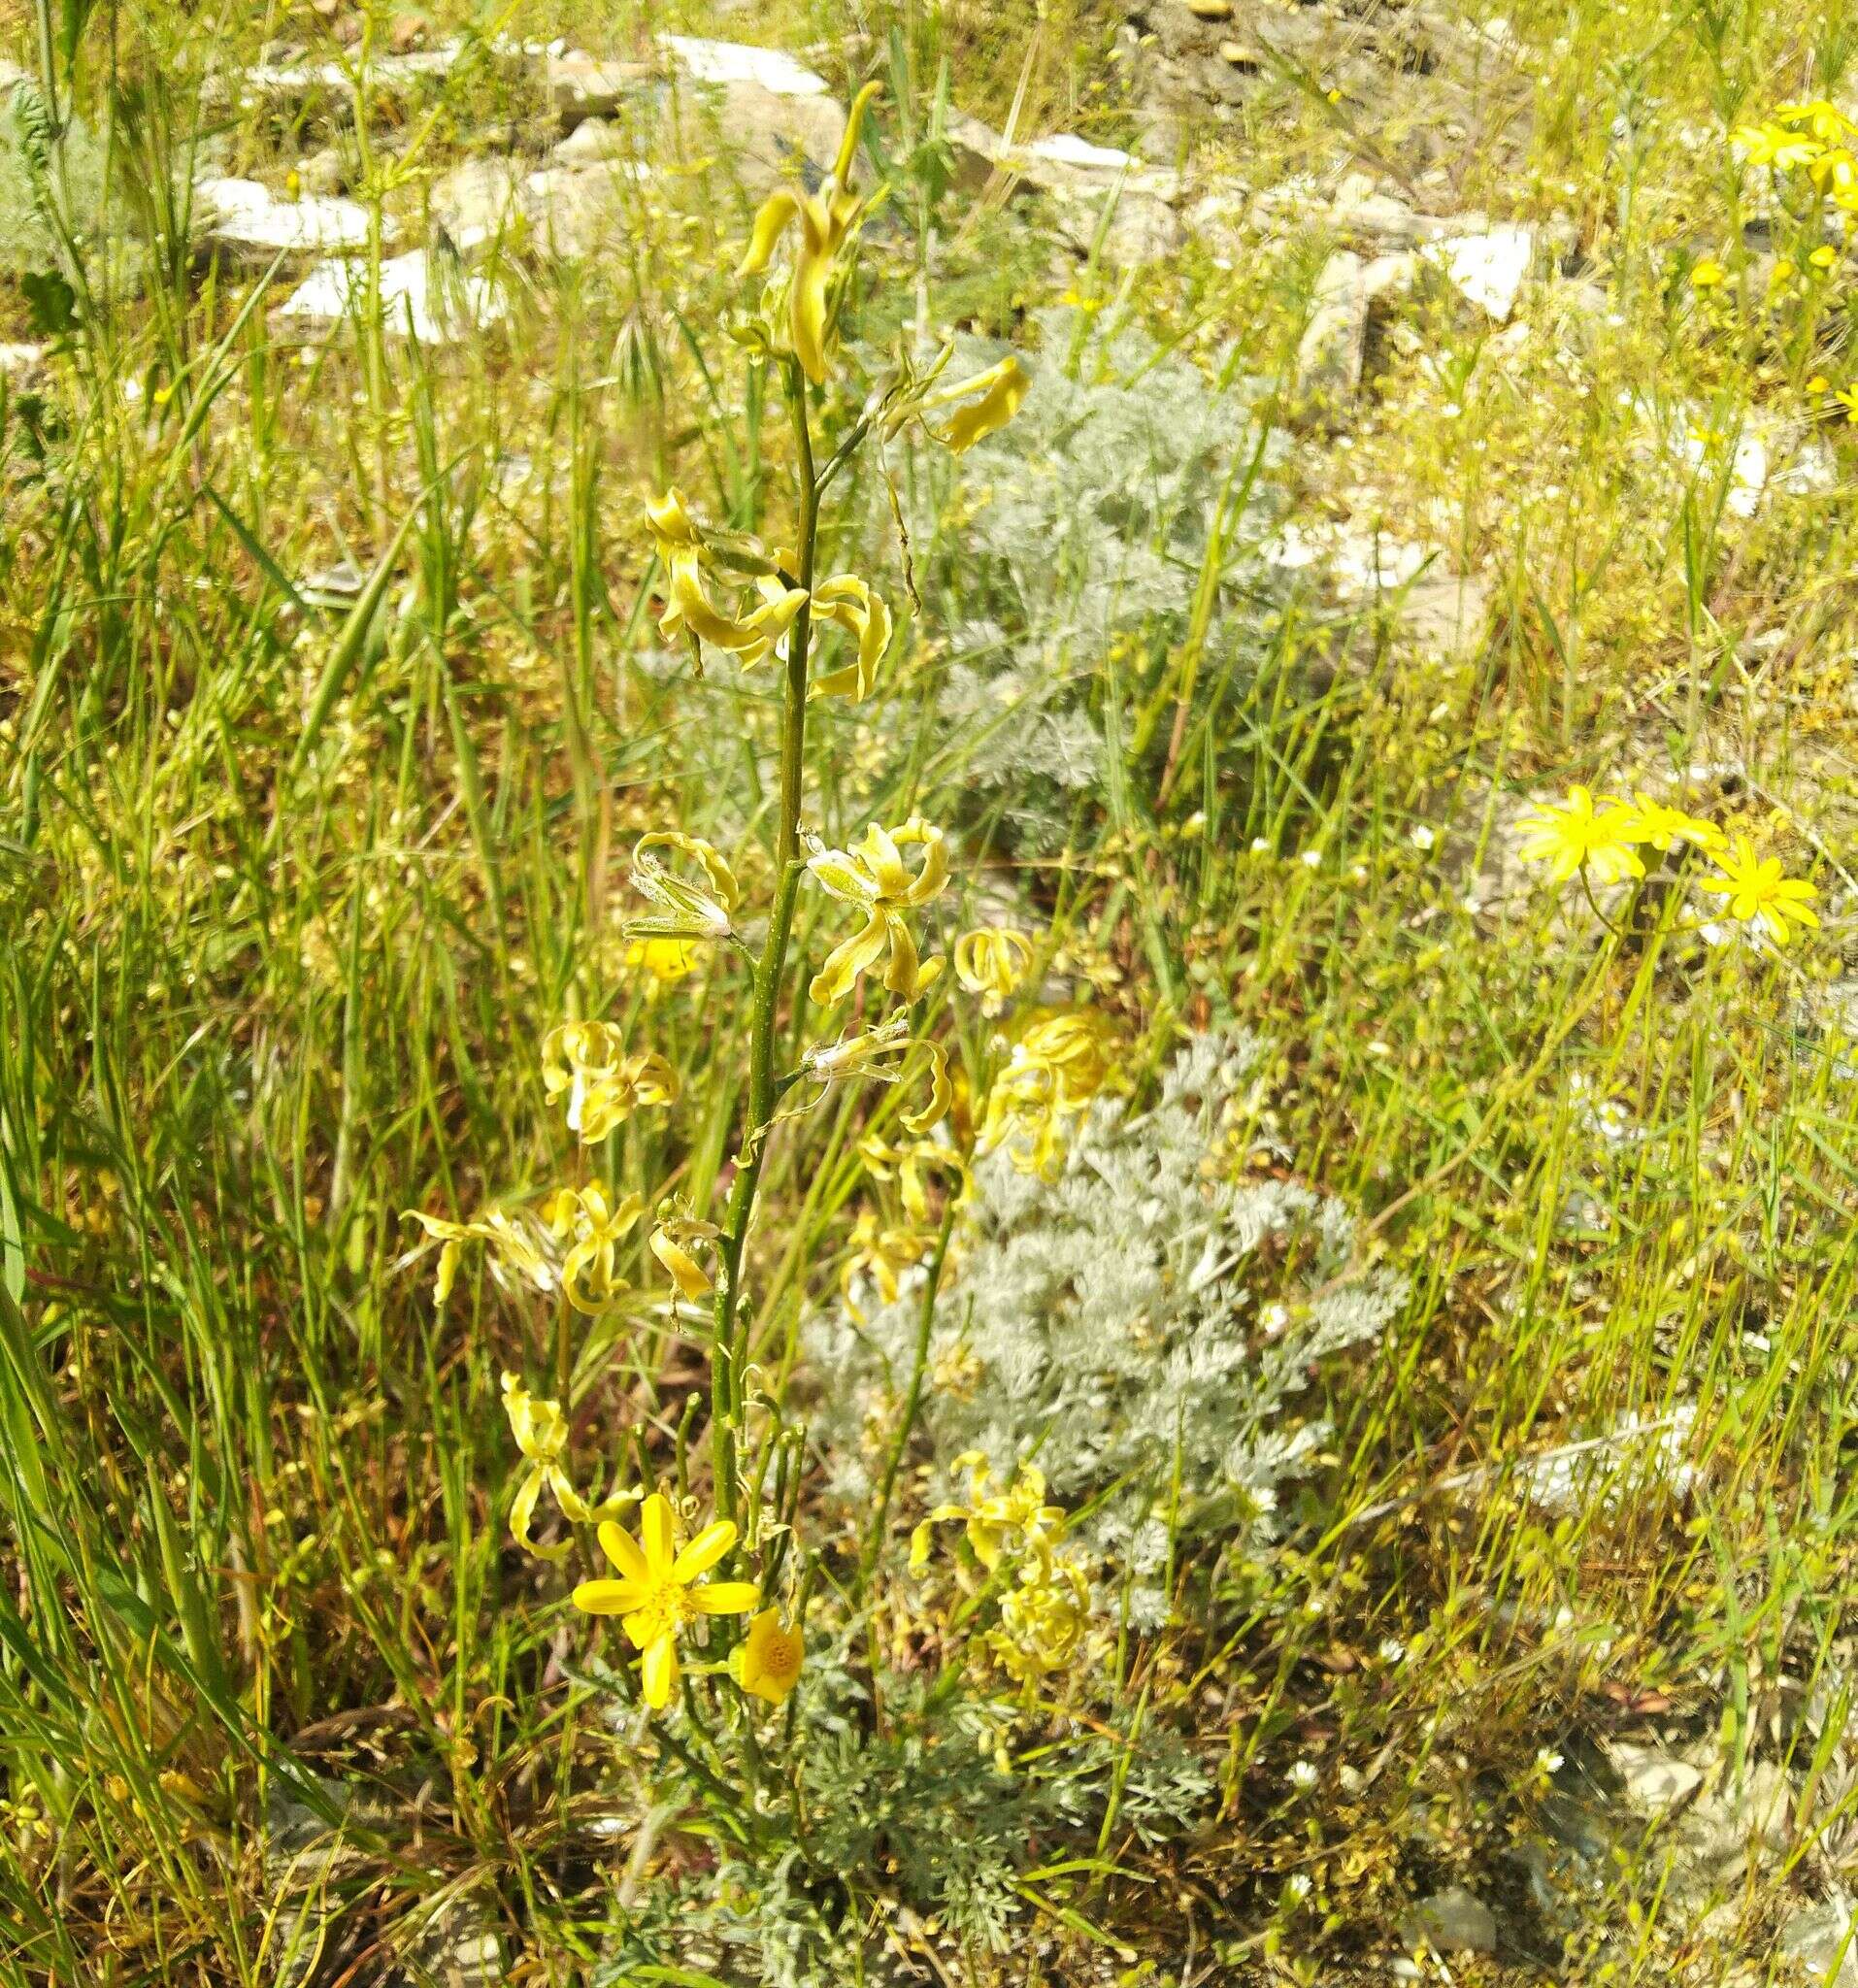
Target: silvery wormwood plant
{"points": [[1140, 1326]]}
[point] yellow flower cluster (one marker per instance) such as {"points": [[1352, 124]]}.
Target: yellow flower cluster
{"points": [[1059, 1060], [604, 1084], [1602, 838], [1046, 1609], [1814, 138]]}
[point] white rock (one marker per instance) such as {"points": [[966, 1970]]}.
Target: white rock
{"points": [[1656, 1782], [1360, 208], [595, 140], [768, 111], [1067, 165], [479, 203], [1455, 1921], [420, 297], [1333, 349], [1822, 1937], [581, 85], [573, 210], [1066, 149], [732, 63], [246, 217], [1488, 268], [294, 83], [1142, 228]]}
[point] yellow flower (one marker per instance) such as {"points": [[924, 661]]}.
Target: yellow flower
{"points": [[882, 1255], [672, 1238], [1846, 397], [1043, 1618], [541, 1431], [827, 220], [904, 1164], [1015, 1520], [993, 962], [1758, 894], [849, 604], [1578, 833], [682, 548], [664, 959], [1823, 257], [597, 1227], [767, 1663], [1708, 274], [1664, 828], [658, 1594], [873, 875], [879, 1053], [1061, 1059], [605, 1086], [688, 909], [1834, 171], [1825, 120], [1774, 144], [512, 1249], [1818, 383], [992, 398]]}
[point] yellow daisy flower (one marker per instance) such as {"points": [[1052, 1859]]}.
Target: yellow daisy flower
{"points": [[659, 1593], [1580, 833], [1758, 894], [1664, 828], [767, 1664]]}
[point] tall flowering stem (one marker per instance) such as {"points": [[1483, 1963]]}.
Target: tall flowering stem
{"points": [[729, 1352]]}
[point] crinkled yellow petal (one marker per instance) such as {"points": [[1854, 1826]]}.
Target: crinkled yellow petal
{"points": [[773, 220], [879, 852], [902, 974], [998, 393], [671, 522], [449, 1252], [855, 124], [808, 296], [685, 1271], [846, 961], [933, 1109]]}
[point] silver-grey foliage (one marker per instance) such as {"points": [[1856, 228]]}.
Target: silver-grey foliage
{"points": [[1083, 521], [1138, 1327]]}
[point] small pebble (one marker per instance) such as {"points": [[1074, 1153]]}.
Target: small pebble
{"points": [[1238, 55], [1211, 10]]}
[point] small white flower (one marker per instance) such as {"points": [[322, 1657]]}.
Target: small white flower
{"points": [[1259, 847], [1392, 1650], [1297, 1887], [1274, 1319], [1310, 859], [1350, 1780], [1422, 837], [1302, 1775], [1547, 1763], [1379, 1048]]}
